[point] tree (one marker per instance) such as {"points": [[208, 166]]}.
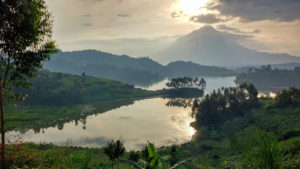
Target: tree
{"points": [[134, 156], [173, 154], [288, 97], [25, 41], [202, 84], [114, 150], [225, 104], [119, 151], [109, 151], [185, 82]]}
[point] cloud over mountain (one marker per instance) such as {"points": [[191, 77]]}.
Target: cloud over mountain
{"points": [[208, 46], [256, 10]]}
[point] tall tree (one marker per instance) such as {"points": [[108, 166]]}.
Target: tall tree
{"points": [[25, 41], [109, 150], [119, 151]]}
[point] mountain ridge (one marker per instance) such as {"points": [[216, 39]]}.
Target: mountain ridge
{"points": [[138, 71], [209, 46]]}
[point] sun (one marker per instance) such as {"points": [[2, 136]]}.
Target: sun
{"points": [[192, 7]]}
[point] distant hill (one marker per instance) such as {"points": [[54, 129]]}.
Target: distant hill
{"points": [[208, 46], [100, 64], [182, 68], [137, 71], [287, 66], [268, 79]]}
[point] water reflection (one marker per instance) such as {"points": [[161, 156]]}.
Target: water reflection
{"points": [[144, 120], [180, 102], [212, 83], [86, 110]]}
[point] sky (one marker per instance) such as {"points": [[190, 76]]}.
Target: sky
{"points": [[144, 27]]}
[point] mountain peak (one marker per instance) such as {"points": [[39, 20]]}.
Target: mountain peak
{"points": [[207, 28], [208, 46], [204, 30]]}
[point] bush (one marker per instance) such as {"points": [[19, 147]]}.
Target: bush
{"points": [[267, 154], [288, 97], [134, 156]]}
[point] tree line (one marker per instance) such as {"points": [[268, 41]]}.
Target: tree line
{"points": [[225, 104], [187, 82]]}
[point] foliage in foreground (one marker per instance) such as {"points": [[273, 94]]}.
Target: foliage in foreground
{"points": [[154, 160]]}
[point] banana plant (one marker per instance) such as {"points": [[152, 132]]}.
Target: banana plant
{"points": [[155, 161]]}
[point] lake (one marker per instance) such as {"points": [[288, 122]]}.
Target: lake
{"points": [[212, 83], [152, 119]]}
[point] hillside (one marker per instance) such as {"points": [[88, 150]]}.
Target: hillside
{"points": [[209, 46], [181, 68], [61, 89], [138, 71], [105, 65]]}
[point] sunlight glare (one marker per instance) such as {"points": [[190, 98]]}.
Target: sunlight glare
{"points": [[191, 131], [192, 7]]}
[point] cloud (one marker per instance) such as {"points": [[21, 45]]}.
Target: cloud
{"points": [[124, 15], [99, 141], [256, 31], [224, 27], [87, 15], [88, 24], [207, 19], [257, 10], [177, 14]]}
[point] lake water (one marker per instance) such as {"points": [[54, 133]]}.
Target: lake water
{"points": [[145, 120], [212, 83]]}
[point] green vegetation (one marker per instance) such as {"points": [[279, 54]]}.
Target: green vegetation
{"points": [[237, 142], [25, 42], [288, 97], [141, 71], [36, 117], [187, 82], [268, 79], [225, 104], [58, 89], [114, 150], [186, 87], [57, 98], [262, 136]]}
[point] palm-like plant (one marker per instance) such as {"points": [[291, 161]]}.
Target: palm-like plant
{"points": [[114, 150], [154, 161], [109, 150], [119, 150]]}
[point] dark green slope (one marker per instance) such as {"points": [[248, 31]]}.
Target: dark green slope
{"points": [[61, 89]]}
